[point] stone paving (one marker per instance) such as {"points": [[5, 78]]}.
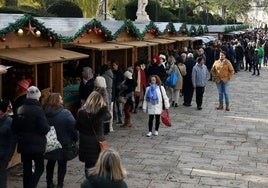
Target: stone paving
{"points": [[202, 149]]}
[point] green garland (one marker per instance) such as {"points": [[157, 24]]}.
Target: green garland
{"points": [[170, 28], [183, 29], [151, 28], [192, 31], [129, 27], [24, 21], [92, 26]]}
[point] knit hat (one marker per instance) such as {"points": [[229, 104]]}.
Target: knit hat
{"points": [[24, 84], [33, 93], [3, 105], [100, 82], [128, 74], [162, 56], [157, 58]]}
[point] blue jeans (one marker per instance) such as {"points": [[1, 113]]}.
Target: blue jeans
{"points": [[223, 89]]}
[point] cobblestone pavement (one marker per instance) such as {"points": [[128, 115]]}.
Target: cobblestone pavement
{"points": [[202, 149]]}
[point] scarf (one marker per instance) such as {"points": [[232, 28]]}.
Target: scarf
{"points": [[151, 95]]}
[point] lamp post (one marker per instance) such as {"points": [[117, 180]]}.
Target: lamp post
{"points": [[105, 9]]}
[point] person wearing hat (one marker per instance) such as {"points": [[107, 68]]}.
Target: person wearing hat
{"points": [[6, 141], [156, 68], [200, 77], [127, 89], [86, 85], [163, 60], [31, 126], [21, 89], [222, 72], [3, 70]]}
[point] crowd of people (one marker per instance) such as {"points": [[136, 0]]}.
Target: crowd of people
{"points": [[113, 97]]}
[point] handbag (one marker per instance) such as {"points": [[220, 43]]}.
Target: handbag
{"points": [[172, 79], [52, 140], [70, 151], [165, 118], [165, 113], [103, 145]]}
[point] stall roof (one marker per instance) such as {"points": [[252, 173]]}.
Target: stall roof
{"points": [[32, 56], [64, 26], [162, 41], [183, 38], [137, 43], [9, 18], [103, 46], [113, 25]]}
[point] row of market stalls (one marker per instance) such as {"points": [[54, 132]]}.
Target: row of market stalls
{"points": [[52, 51]]}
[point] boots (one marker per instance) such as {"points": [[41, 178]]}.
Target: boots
{"points": [[127, 123], [220, 107], [227, 107]]}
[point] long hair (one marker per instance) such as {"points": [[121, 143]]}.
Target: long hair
{"points": [[54, 101], [158, 80], [94, 102], [109, 162]]}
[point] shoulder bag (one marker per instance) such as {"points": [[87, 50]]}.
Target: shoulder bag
{"points": [[103, 145]]}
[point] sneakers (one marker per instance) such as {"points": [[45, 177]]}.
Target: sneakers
{"points": [[155, 133], [149, 134]]}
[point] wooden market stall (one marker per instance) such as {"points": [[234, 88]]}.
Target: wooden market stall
{"points": [[34, 52]]}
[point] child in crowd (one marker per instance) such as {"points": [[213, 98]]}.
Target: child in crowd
{"points": [[155, 97]]}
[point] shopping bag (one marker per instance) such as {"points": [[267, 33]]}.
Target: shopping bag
{"points": [[52, 140], [172, 79], [165, 118]]}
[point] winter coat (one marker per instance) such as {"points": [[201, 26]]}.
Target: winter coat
{"points": [[86, 89], [64, 123], [31, 126], [100, 182], [158, 70], [172, 68], [7, 140], [89, 143], [156, 109], [222, 72], [109, 76], [118, 79], [18, 101]]}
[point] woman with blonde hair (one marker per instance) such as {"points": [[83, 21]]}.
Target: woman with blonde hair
{"points": [[108, 172], [90, 126], [64, 123]]}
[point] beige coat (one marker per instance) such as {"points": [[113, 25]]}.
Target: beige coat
{"points": [[174, 67]]}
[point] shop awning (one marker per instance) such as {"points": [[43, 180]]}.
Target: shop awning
{"points": [[183, 38], [162, 41], [137, 43], [103, 46], [32, 56]]}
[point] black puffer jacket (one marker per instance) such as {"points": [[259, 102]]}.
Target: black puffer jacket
{"points": [[64, 123], [88, 143], [31, 126]]}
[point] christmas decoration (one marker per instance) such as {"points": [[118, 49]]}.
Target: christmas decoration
{"points": [[30, 29], [89, 31], [20, 32], [99, 32], [130, 29], [3, 39], [37, 33]]}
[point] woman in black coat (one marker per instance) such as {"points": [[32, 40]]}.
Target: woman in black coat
{"points": [[89, 123], [31, 126], [64, 123]]}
